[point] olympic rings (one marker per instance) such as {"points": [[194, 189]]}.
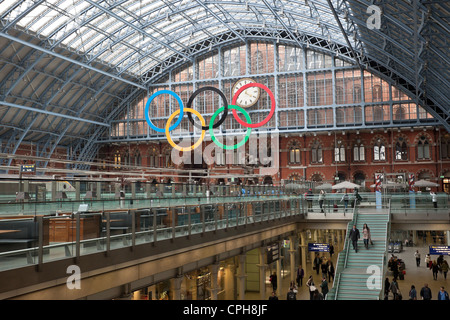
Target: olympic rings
{"points": [[224, 100], [147, 107], [169, 139], [272, 109], [243, 141], [211, 125]]}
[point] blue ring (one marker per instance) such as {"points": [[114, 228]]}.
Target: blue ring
{"points": [[147, 107]]}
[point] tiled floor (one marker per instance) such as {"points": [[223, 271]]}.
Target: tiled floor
{"points": [[416, 276]]}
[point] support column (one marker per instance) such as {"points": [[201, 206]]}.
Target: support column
{"points": [[241, 276], [280, 279], [53, 184], [77, 190], [313, 254], [292, 259], [148, 187], [126, 293], [133, 190], [214, 289], [175, 284], [262, 273], [229, 282], [99, 190], [303, 247]]}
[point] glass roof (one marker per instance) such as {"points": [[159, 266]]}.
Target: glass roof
{"points": [[134, 36]]}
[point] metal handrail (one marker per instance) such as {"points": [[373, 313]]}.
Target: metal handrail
{"points": [[346, 246], [154, 230], [384, 258]]}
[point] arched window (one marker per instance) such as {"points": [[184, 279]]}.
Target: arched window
{"points": [[445, 147], [401, 150], [316, 153], [358, 151], [219, 156], [316, 178], [137, 158], [126, 159], [339, 95], [167, 159], [339, 152], [377, 93], [379, 151], [378, 114], [294, 153], [357, 94], [359, 178], [423, 148], [152, 158], [340, 116], [117, 160]]}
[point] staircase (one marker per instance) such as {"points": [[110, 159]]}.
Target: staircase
{"points": [[352, 273]]}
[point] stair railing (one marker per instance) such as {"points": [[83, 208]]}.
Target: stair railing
{"points": [[347, 248], [385, 256], [354, 221]]}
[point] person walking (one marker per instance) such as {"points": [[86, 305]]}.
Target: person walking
{"points": [[273, 296], [435, 269], [428, 262], [321, 200], [324, 287], [330, 270], [345, 199], [442, 294], [413, 293], [311, 287], [425, 292], [300, 275], [417, 256], [317, 263], [354, 237], [274, 281], [309, 198], [394, 288], [434, 199], [294, 287], [291, 295], [331, 250], [317, 295], [357, 197], [387, 285], [324, 266], [366, 235], [444, 268]]}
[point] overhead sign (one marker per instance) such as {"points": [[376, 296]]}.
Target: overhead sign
{"points": [[28, 168], [273, 253], [438, 250], [318, 247]]}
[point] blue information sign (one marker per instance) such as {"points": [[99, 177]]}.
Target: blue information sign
{"points": [[438, 250], [318, 247], [28, 168]]}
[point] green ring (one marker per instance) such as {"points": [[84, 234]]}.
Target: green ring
{"points": [[211, 130]]}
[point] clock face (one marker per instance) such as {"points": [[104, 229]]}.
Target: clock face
{"points": [[248, 97]]}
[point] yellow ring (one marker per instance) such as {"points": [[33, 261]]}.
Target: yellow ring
{"points": [[169, 139]]}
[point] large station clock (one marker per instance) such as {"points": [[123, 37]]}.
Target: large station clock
{"points": [[248, 97]]}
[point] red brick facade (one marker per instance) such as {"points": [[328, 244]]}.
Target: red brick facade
{"points": [[429, 167]]}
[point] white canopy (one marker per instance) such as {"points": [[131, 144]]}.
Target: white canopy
{"points": [[425, 183], [346, 185]]}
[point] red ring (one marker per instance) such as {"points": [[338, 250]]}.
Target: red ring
{"points": [[272, 110]]}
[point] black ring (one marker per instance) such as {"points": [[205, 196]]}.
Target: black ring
{"points": [[225, 110]]}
